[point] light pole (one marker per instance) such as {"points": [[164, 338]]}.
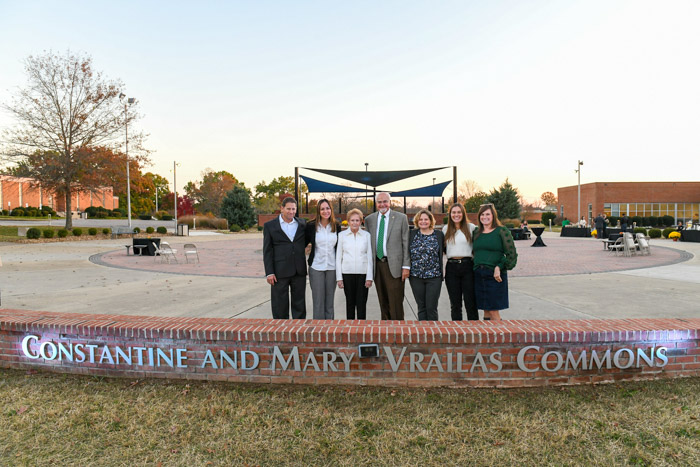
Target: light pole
{"points": [[157, 188], [175, 164], [366, 198], [432, 206], [578, 171], [129, 101]]}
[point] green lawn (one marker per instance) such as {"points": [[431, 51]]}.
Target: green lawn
{"points": [[49, 419]]}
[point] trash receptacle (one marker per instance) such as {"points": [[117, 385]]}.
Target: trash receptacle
{"points": [[183, 230], [83, 215]]}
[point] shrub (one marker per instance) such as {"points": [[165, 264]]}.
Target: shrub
{"points": [[115, 214], [640, 230], [613, 221], [106, 231], [235, 228], [48, 233], [145, 217], [511, 223], [444, 220], [92, 231], [654, 233], [667, 231], [546, 216], [150, 230], [653, 221], [162, 230], [77, 231], [33, 233], [637, 220], [204, 222], [91, 211], [167, 217], [260, 227], [5, 212], [101, 214], [237, 207], [137, 230], [17, 212], [246, 227], [62, 233], [667, 220], [159, 215], [47, 210]]}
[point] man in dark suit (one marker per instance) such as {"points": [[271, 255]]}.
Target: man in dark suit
{"points": [[285, 261]]}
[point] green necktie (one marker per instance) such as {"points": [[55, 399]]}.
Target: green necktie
{"points": [[380, 239]]}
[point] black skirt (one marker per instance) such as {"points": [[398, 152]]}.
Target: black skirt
{"points": [[490, 294]]}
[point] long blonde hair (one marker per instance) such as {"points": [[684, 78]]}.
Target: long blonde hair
{"points": [[463, 226]]}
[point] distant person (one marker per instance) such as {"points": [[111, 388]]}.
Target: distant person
{"points": [[624, 221], [565, 222], [354, 266], [389, 230], [680, 225], [459, 271], [605, 225], [494, 255], [599, 222], [425, 247], [285, 261], [524, 226], [582, 222], [322, 234]]}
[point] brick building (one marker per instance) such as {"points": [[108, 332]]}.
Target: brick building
{"points": [[22, 192], [678, 199]]}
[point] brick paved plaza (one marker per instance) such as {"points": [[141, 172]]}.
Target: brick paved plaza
{"points": [[570, 279]]}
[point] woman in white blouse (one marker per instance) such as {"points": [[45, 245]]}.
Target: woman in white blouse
{"points": [[459, 271], [353, 265], [322, 234]]}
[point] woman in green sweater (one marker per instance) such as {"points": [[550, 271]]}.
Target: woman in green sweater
{"points": [[494, 254]]}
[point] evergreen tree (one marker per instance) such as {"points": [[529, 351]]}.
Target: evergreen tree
{"points": [[506, 200], [237, 207]]}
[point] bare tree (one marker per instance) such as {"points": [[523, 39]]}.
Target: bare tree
{"points": [[67, 109], [467, 189], [549, 198]]}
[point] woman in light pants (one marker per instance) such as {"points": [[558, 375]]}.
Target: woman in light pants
{"points": [[322, 234]]}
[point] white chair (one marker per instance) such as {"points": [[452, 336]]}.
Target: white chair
{"points": [[191, 250], [165, 252], [630, 246], [618, 246], [644, 247]]}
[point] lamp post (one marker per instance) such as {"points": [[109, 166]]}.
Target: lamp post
{"points": [[128, 101], [432, 206], [175, 164], [366, 198], [578, 171], [157, 188]]}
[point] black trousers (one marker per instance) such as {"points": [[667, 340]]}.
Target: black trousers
{"points": [[427, 293], [459, 280], [355, 295], [279, 297]]}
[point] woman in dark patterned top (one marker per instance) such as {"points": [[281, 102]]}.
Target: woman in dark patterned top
{"points": [[494, 254], [425, 248]]}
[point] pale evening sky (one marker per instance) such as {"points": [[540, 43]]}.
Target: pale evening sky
{"points": [[499, 88]]}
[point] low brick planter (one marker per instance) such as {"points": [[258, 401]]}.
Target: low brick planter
{"points": [[497, 354]]}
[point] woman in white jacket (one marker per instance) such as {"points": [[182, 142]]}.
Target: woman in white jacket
{"points": [[353, 265]]}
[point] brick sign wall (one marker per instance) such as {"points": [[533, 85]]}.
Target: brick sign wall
{"points": [[506, 354]]}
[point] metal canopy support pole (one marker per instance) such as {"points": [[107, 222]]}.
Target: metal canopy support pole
{"points": [[296, 183], [443, 204], [374, 198], [454, 183], [307, 203], [404, 205]]}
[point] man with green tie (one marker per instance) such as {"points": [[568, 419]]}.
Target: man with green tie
{"points": [[392, 263]]}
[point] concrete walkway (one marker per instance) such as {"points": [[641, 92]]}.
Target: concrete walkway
{"points": [[570, 279]]}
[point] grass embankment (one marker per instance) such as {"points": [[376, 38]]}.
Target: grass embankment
{"points": [[62, 419]]}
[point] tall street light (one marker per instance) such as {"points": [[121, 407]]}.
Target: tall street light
{"points": [[366, 198], [578, 171], [128, 101], [432, 206], [175, 164]]}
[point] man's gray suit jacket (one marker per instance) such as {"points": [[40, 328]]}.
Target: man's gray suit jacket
{"points": [[396, 240]]}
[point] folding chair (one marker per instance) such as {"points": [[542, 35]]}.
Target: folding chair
{"points": [[191, 250]]}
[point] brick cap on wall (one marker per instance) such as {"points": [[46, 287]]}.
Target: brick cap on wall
{"points": [[343, 331]]}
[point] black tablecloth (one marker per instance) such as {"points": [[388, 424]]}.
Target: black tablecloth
{"points": [[517, 234], [575, 232], [690, 235], [538, 231], [151, 243]]}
